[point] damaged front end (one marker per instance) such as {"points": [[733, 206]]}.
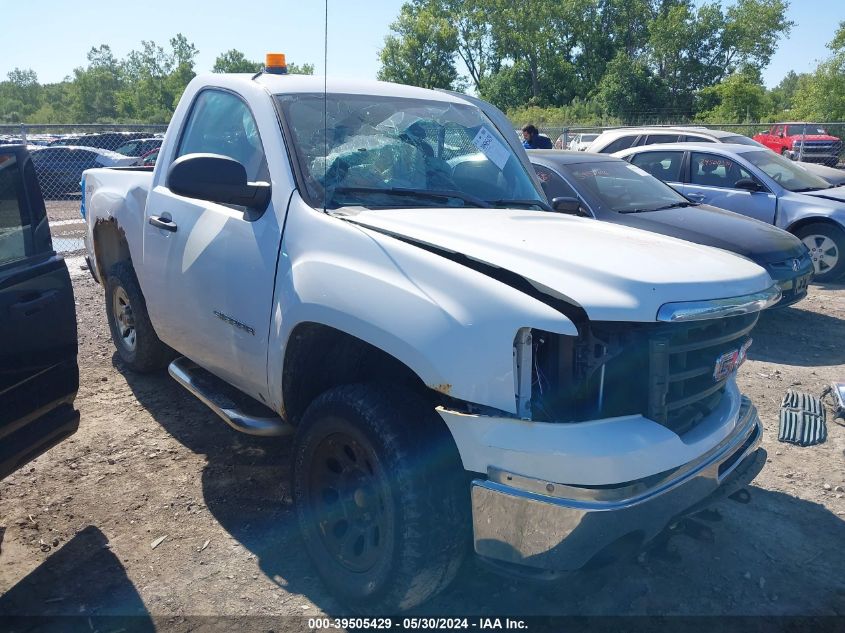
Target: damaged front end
{"points": [[672, 373]]}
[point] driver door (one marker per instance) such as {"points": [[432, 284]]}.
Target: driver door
{"points": [[711, 180], [208, 277]]}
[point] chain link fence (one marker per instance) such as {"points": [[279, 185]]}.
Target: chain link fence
{"points": [[806, 148], [60, 153]]}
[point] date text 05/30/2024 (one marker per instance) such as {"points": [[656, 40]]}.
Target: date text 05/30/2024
{"points": [[481, 624]]}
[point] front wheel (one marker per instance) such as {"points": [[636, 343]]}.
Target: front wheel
{"points": [[381, 498], [131, 330], [827, 249]]}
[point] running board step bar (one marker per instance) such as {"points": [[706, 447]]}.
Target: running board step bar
{"points": [[227, 402]]}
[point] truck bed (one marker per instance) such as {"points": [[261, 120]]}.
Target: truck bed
{"points": [[118, 196]]}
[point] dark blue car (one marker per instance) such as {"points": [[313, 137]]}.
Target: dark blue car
{"points": [[610, 189]]}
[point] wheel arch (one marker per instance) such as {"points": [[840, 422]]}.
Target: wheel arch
{"points": [[110, 246], [816, 219], [319, 357]]}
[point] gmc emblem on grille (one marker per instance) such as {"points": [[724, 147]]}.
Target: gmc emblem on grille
{"points": [[729, 362]]}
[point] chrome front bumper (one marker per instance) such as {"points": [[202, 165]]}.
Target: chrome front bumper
{"points": [[547, 525]]}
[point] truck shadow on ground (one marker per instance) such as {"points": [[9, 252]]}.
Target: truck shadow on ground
{"points": [[797, 337], [793, 545], [82, 578]]}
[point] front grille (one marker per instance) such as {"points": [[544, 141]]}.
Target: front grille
{"points": [[682, 359], [664, 371]]}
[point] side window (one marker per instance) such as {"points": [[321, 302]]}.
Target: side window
{"points": [[663, 165], [553, 185], [697, 139], [653, 139], [778, 130], [715, 171], [221, 123], [623, 142], [14, 220]]}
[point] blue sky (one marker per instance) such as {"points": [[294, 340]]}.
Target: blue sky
{"points": [[52, 38]]}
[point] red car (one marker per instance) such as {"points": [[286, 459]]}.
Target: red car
{"points": [[788, 138]]}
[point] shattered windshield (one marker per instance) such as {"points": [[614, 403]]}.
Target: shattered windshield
{"points": [[384, 152]]}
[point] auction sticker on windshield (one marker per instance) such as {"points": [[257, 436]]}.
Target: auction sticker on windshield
{"points": [[497, 153]]}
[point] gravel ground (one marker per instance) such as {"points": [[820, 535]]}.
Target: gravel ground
{"points": [[84, 523]]}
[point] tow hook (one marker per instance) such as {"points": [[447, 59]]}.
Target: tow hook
{"points": [[741, 496]]}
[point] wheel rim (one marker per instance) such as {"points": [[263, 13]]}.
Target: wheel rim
{"points": [[124, 319], [824, 252], [351, 502]]}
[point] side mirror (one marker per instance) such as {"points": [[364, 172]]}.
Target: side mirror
{"points": [[780, 134], [567, 205], [747, 184], [216, 178]]}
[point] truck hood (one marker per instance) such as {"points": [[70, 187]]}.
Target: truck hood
{"points": [[614, 273], [710, 226]]}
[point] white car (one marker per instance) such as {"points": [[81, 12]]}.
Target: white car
{"points": [[375, 270], [580, 142]]}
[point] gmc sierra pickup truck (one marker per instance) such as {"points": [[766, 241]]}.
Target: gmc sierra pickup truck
{"points": [[373, 268]]}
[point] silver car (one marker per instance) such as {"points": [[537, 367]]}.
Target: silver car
{"points": [[615, 140], [760, 184]]}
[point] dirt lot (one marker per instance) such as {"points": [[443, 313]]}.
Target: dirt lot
{"points": [[150, 461]]}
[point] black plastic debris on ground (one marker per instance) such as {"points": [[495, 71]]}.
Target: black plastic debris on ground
{"points": [[802, 419]]}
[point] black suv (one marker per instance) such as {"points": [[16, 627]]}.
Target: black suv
{"points": [[39, 375]]}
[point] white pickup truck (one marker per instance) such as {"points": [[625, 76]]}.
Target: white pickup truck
{"points": [[374, 269]]}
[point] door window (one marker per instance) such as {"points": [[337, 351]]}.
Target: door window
{"points": [[221, 123], [710, 170], [697, 139], [553, 185], [653, 139], [663, 165], [623, 142], [14, 220]]}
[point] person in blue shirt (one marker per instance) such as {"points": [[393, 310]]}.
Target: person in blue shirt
{"points": [[532, 139]]}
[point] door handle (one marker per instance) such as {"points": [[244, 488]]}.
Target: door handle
{"points": [[30, 304], [163, 223], [696, 196]]}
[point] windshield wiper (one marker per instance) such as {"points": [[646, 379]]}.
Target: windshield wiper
{"points": [[520, 203], [674, 205], [418, 193]]}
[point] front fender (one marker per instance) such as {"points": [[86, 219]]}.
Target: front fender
{"points": [[452, 326]]}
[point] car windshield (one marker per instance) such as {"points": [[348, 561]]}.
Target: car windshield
{"points": [[384, 152], [784, 172], [742, 140], [810, 128], [621, 187]]}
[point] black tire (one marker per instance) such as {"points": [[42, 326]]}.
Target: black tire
{"points": [[384, 464], [826, 270], [148, 353]]}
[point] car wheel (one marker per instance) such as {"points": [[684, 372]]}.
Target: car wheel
{"points": [[827, 249], [132, 332], [381, 497]]}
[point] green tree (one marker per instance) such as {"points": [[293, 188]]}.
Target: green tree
{"points": [[420, 50], [739, 98], [234, 61], [630, 92], [95, 88], [821, 96], [20, 95]]}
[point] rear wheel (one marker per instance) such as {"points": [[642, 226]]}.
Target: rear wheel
{"points": [[131, 330], [381, 498], [827, 249]]}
